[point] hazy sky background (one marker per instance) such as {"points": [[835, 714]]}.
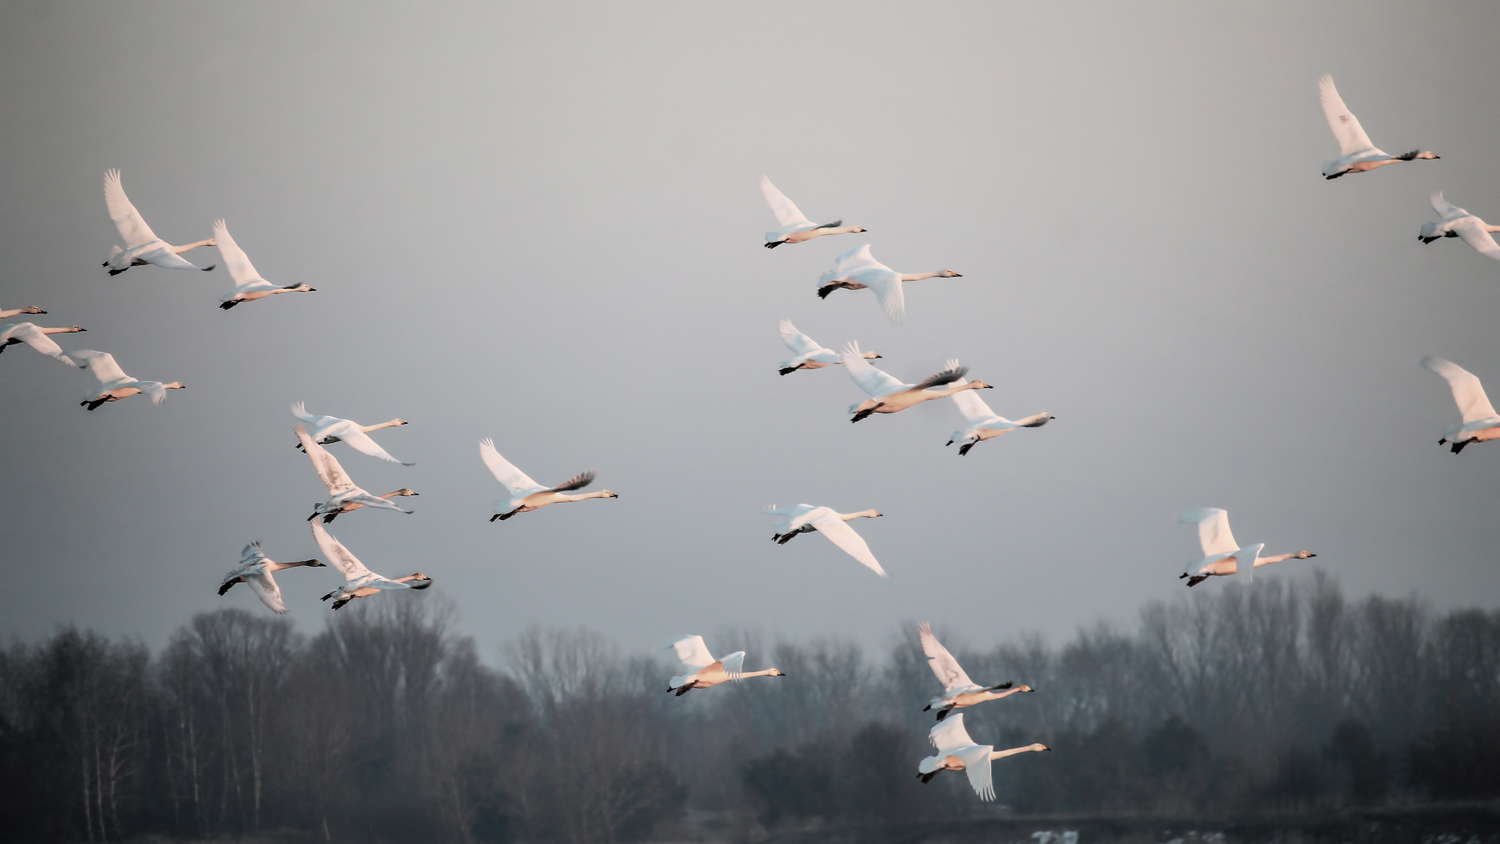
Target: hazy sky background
{"points": [[540, 223]]}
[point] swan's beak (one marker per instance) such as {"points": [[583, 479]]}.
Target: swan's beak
{"points": [[958, 275], [80, 331], [415, 493], [1310, 556]]}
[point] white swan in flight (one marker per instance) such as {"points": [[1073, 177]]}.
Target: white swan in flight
{"points": [[248, 285], [1221, 554], [1456, 222], [114, 384], [142, 246], [703, 671], [6, 314], [359, 582], [809, 354], [525, 494], [958, 690], [257, 569], [887, 395], [795, 228], [958, 752], [857, 269], [36, 337], [1480, 422], [983, 423], [331, 429], [1356, 153], [342, 491], [805, 518]]}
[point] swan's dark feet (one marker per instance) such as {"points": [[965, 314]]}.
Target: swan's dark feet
{"points": [[1455, 445], [926, 778], [329, 517], [1181, 576], [863, 414], [93, 405], [1197, 579], [774, 244], [964, 449], [116, 272], [785, 538], [788, 370], [503, 516], [943, 713], [227, 305]]}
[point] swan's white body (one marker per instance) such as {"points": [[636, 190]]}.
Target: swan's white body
{"points": [[795, 227], [887, 395], [805, 518], [248, 285], [142, 246], [359, 582], [958, 752], [1480, 422], [331, 429], [36, 337], [341, 490], [1356, 153], [114, 384], [984, 424], [1222, 556], [958, 690], [1456, 222], [6, 314], [809, 354], [857, 269], [703, 671], [525, 494], [257, 569]]}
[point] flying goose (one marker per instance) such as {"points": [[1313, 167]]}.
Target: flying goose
{"points": [[1356, 152], [887, 395], [331, 429], [525, 494], [1456, 222], [805, 518], [142, 246], [257, 569], [1221, 554], [795, 228], [36, 337], [359, 582], [958, 690], [809, 354], [703, 671], [248, 285], [958, 752], [983, 423], [857, 269], [4, 314], [114, 384], [1480, 422], [342, 491]]}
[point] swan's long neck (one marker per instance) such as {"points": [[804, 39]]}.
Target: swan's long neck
{"points": [[72, 329], [951, 390], [175, 385], [918, 276], [769, 672], [839, 230], [1487, 227], [1001, 754], [19, 311], [599, 494], [391, 424], [862, 514], [389, 495], [190, 246], [1266, 561], [313, 562], [409, 578]]}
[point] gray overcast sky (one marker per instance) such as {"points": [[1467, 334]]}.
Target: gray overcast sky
{"points": [[540, 223]]}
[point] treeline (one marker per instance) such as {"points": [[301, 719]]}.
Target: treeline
{"points": [[388, 726]]}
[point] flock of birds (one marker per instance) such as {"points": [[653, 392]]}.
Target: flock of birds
{"points": [[856, 269]]}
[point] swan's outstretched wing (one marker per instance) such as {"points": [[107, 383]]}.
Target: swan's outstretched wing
{"points": [[101, 364], [578, 481], [947, 376], [858, 258], [1245, 565], [337, 555], [156, 391], [251, 554], [734, 664], [873, 381], [943, 664], [514, 480], [786, 213], [32, 336], [235, 259], [950, 734], [350, 434], [1471, 229], [299, 410], [1346, 128], [330, 472], [132, 226], [887, 287], [795, 340], [1213, 530], [839, 533], [265, 588], [977, 765], [1468, 393], [788, 514], [1445, 209], [691, 650], [969, 403]]}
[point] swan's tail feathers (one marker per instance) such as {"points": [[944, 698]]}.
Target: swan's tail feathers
{"points": [[836, 223]]}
